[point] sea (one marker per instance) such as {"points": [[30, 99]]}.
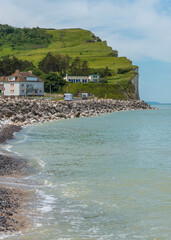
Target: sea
{"points": [[97, 178]]}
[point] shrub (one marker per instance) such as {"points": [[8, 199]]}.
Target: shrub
{"points": [[103, 81], [124, 70]]}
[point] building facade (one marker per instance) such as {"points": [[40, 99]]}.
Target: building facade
{"points": [[21, 84], [82, 79]]}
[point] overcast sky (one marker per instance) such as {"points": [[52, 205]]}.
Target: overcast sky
{"points": [[138, 29]]}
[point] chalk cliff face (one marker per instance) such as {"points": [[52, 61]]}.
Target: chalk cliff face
{"points": [[135, 82]]}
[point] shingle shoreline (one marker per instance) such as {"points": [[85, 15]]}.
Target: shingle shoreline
{"points": [[11, 199], [25, 112]]}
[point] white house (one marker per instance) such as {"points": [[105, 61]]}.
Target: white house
{"points": [[82, 79], [22, 84]]}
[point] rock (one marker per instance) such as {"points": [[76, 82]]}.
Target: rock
{"points": [[18, 118], [60, 115], [24, 111], [77, 114], [7, 112]]}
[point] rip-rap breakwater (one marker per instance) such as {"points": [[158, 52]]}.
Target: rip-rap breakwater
{"points": [[27, 111]]}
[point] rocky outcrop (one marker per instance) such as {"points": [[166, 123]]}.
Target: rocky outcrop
{"points": [[26, 111]]}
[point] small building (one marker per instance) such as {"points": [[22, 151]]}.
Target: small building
{"points": [[21, 84], [68, 96], [84, 96], [82, 79]]}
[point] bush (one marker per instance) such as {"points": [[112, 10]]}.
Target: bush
{"points": [[104, 72], [54, 82], [124, 70], [18, 37], [103, 81]]}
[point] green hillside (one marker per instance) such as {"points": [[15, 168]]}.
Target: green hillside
{"points": [[34, 45]]}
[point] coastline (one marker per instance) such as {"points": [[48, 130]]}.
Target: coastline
{"points": [[12, 199], [17, 113]]}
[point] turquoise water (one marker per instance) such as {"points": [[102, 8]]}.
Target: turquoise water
{"points": [[104, 177]]}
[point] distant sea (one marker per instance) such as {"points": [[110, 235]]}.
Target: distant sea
{"points": [[98, 178]]}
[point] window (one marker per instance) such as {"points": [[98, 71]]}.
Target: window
{"points": [[22, 91], [11, 78], [32, 79], [35, 86], [11, 91], [22, 85]]}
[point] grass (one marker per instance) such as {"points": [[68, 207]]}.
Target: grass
{"points": [[77, 42], [102, 90], [74, 43]]}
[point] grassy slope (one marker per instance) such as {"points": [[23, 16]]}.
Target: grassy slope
{"points": [[73, 42]]}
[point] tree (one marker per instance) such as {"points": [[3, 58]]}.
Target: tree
{"points": [[54, 82], [9, 65], [54, 63], [107, 72], [79, 68], [65, 64], [18, 37], [84, 68], [48, 64], [76, 66]]}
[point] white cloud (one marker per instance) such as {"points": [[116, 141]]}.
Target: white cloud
{"points": [[136, 28]]}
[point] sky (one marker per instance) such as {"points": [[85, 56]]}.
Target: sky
{"points": [[138, 29]]}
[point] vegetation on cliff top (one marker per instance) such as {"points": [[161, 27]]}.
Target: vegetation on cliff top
{"points": [[33, 45], [19, 39]]}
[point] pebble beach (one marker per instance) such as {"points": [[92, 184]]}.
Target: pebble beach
{"points": [[17, 113]]}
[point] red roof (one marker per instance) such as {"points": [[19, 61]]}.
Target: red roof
{"points": [[20, 77]]}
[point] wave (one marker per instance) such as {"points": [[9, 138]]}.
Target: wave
{"points": [[46, 203]]}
